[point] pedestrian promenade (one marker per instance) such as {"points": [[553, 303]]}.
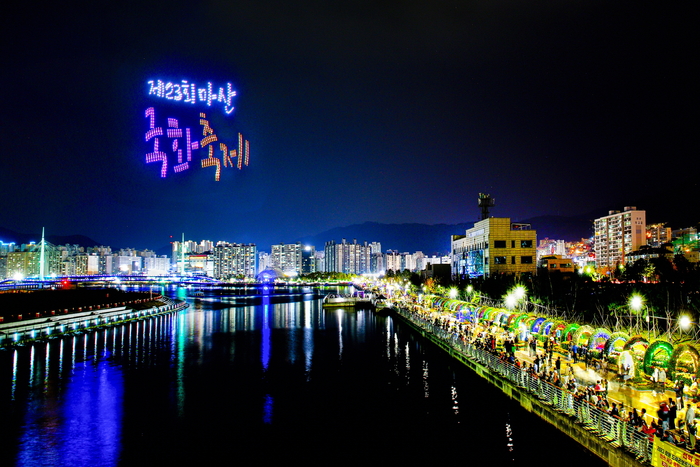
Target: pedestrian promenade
{"points": [[617, 391], [481, 344]]}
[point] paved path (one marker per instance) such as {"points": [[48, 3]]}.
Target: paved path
{"points": [[617, 392]]}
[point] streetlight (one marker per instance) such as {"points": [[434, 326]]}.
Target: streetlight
{"points": [[515, 296], [684, 322], [520, 292], [636, 303]]}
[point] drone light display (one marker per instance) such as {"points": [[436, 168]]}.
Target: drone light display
{"points": [[179, 144], [191, 93]]}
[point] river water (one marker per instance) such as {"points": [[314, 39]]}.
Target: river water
{"points": [[255, 377]]}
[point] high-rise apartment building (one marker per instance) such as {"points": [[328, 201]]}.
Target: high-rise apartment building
{"points": [[617, 235], [308, 259], [287, 257], [234, 260], [349, 258]]}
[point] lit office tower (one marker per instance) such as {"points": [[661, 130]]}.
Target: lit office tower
{"points": [[287, 257], [232, 260], [617, 235]]}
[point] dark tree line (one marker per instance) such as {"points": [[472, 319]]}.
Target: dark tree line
{"points": [[671, 286]]}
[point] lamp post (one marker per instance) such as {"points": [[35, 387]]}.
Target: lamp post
{"points": [[453, 292], [636, 303]]}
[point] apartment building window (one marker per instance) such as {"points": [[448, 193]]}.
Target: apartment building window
{"points": [[499, 260], [526, 260], [525, 243], [499, 243]]}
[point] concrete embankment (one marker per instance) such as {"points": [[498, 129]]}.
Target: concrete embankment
{"points": [[613, 455], [22, 332]]}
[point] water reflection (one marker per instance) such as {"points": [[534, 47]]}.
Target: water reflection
{"points": [[221, 375]]}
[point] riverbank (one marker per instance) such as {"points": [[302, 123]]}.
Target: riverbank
{"points": [[18, 305], [606, 436], [21, 332]]}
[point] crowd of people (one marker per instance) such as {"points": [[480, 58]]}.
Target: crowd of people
{"points": [[673, 422]]}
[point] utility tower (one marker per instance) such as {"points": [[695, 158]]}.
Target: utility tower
{"points": [[485, 203]]}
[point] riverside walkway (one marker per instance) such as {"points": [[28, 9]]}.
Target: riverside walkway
{"points": [[616, 440]]}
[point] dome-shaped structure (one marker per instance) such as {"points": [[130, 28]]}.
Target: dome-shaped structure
{"points": [[270, 274]]}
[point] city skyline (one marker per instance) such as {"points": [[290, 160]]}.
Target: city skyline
{"points": [[354, 112]]}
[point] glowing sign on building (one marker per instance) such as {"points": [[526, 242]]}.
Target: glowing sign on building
{"points": [[190, 93], [175, 146]]}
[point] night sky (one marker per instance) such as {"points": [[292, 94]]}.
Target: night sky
{"points": [[389, 111]]}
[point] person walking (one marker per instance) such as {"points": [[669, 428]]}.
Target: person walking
{"points": [[689, 421], [672, 414], [679, 386], [662, 379], [692, 432]]}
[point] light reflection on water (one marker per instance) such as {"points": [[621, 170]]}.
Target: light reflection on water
{"points": [[215, 378]]}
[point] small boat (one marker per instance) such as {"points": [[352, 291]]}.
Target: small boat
{"points": [[345, 301]]}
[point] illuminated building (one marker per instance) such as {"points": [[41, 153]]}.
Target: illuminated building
{"points": [[234, 260], [22, 264], [190, 246], [308, 259], [397, 262], [617, 235], [431, 260], [348, 258], [75, 265], [287, 257], [26, 262], [93, 264], [658, 234], [127, 262], [494, 246], [263, 261], [687, 243], [104, 264], [646, 252], [156, 265], [320, 261], [557, 263]]}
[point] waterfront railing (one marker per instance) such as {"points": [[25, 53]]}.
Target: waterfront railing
{"points": [[20, 332], [605, 426]]}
